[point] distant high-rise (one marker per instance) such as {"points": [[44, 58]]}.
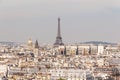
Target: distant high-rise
{"points": [[58, 38]]}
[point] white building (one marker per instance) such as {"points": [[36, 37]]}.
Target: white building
{"points": [[100, 49], [69, 74], [3, 69]]}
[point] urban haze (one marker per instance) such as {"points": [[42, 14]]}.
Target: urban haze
{"points": [[81, 20], [59, 40]]}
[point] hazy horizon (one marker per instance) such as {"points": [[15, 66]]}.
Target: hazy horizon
{"points": [[81, 20]]}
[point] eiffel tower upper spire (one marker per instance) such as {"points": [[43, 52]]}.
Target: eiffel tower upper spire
{"points": [[58, 38], [59, 32]]}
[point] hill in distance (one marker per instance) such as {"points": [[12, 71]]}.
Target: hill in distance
{"points": [[98, 42]]}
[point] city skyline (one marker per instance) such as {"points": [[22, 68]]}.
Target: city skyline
{"points": [[81, 20]]}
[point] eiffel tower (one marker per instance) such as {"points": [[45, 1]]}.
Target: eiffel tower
{"points": [[58, 38]]}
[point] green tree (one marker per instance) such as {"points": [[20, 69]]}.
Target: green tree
{"points": [[61, 79]]}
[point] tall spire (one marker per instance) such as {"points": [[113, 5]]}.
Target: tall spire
{"points": [[58, 38], [36, 44], [59, 33]]}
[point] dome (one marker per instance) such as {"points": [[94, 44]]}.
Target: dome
{"points": [[30, 42]]}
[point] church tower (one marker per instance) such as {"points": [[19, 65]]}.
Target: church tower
{"points": [[58, 38], [36, 44], [36, 49]]}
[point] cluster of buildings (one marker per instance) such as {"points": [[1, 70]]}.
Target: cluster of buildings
{"points": [[69, 62], [59, 61]]}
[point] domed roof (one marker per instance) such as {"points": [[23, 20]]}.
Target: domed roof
{"points": [[30, 42]]}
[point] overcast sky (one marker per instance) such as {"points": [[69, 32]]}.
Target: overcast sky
{"points": [[81, 20]]}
